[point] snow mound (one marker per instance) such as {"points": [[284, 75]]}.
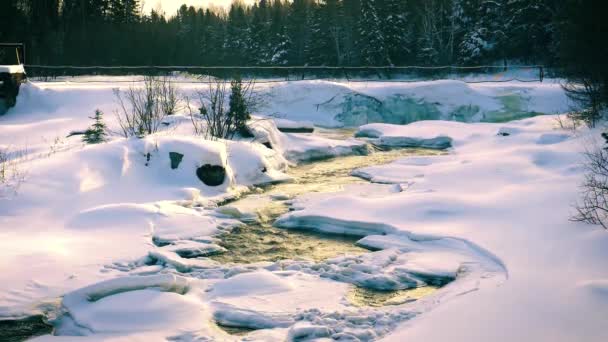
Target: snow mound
{"points": [[174, 223], [169, 258], [427, 134], [134, 304], [289, 126], [320, 223], [263, 299], [258, 283], [407, 170], [305, 330], [301, 148]]}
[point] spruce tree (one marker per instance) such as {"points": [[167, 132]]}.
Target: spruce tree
{"points": [[238, 110], [297, 31], [530, 27], [236, 37], [259, 42], [396, 29], [280, 43], [372, 42], [97, 132], [351, 16], [486, 35], [325, 45]]}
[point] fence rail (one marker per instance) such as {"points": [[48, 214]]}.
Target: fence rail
{"points": [[471, 74]]}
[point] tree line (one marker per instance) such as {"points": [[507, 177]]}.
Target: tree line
{"points": [[281, 32]]}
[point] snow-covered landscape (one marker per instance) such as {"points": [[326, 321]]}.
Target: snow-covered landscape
{"points": [[415, 211]]}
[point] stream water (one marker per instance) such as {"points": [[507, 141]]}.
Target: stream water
{"points": [[23, 329], [259, 241]]}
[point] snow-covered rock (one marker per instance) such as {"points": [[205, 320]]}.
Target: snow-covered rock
{"points": [[301, 147], [289, 126]]}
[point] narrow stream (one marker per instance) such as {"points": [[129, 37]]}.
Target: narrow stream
{"points": [[259, 241], [23, 329]]}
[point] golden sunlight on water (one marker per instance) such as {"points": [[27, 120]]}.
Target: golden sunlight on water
{"points": [[361, 297], [259, 241]]}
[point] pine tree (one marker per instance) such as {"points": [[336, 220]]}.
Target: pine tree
{"points": [[297, 30], [396, 29], [259, 42], [97, 132], [529, 26], [485, 36], [236, 37], [350, 26], [124, 11], [280, 44], [372, 41], [211, 39], [326, 43], [238, 108]]}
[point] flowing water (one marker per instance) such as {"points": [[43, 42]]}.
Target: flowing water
{"points": [[259, 241], [23, 329], [363, 297]]}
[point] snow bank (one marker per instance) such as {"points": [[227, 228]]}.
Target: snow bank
{"points": [[289, 126], [354, 104], [427, 134], [262, 300], [251, 284], [133, 304], [302, 148], [378, 137]]}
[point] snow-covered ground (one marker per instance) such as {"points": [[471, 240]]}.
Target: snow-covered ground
{"points": [[95, 237]]}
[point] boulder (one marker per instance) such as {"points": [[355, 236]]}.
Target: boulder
{"points": [[176, 159], [211, 175]]}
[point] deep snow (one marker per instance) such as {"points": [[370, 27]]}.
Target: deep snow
{"points": [[111, 228]]}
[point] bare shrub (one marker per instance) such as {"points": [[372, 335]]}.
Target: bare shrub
{"points": [[587, 94], [143, 109], [11, 174], [593, 208], [223, 109], [168, 96], [568, 122]]}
